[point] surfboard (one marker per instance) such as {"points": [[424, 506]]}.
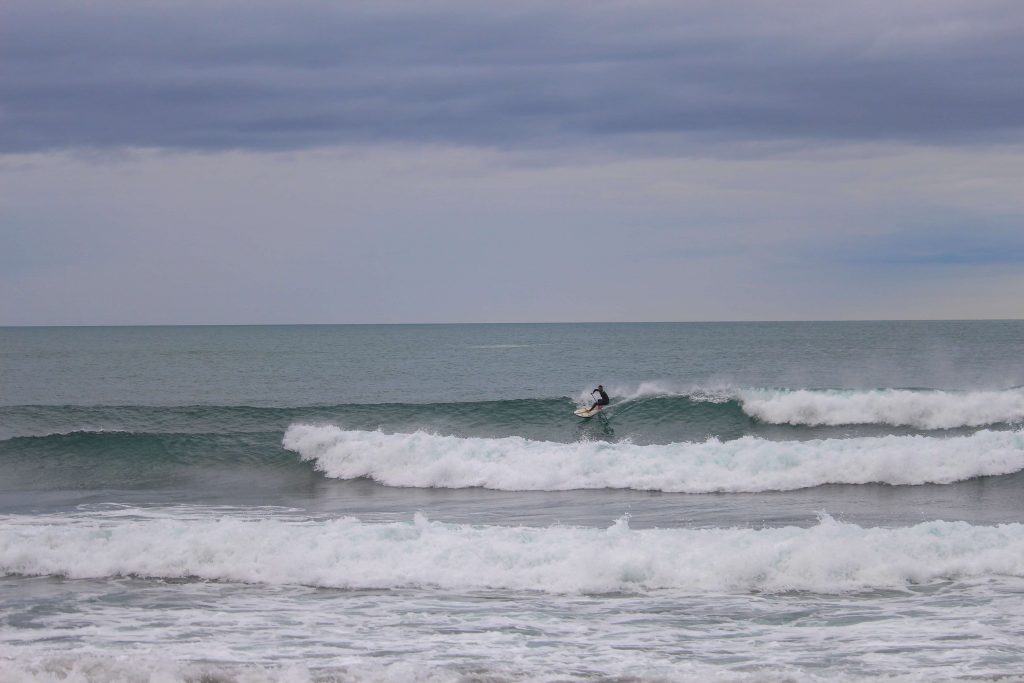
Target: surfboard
{"points": [[588, 412]]}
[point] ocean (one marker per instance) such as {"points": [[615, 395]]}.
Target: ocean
{"points": [[780, 502]]}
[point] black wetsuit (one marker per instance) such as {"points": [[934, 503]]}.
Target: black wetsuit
{"points": [[603, 401]]}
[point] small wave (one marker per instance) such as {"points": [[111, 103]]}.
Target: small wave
{"points": [[927, 409], [80, 431], [127, 459], [43, 421], [115, 443], [747, 464], [830, 557], [500, 346], [650, 412]]}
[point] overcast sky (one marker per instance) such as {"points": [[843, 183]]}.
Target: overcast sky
{"points": [[220, 161]]}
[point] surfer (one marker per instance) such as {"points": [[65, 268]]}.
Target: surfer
{"points": [[603, 400]]}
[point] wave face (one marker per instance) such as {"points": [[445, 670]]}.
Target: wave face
{"points": [[549, 418], [918, 409], [830, 557], [138, 461], [748, 464], [651, 408]]}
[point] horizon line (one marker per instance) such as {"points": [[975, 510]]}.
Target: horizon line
{"points": [[576, 322]]}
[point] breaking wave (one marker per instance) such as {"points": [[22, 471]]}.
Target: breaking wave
{"points": [[747, 464], [830, 557], [931, 409], [926, 409]]}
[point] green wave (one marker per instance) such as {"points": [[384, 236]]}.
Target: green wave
{"points": [[549, 419], [89, 460]]}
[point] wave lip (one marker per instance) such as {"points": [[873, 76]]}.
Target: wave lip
{"points": [[748, 464], [930, 409], [830, 557]]}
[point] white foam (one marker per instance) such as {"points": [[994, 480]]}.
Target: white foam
{"points": [[831, 557], [920, 409], [77, 668], [80, 668], [748, 464], [87, 668]]}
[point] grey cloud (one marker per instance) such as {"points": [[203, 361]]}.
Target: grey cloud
{"points": [[261, 75]]}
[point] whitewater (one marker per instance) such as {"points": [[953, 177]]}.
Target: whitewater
{"points": [[748, 464], [922, 409], [829, 557]]}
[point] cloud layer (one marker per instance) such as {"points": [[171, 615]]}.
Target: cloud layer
{"points": [[661, 76]]}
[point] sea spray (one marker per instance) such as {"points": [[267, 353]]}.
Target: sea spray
{"points": [[896, 407]]}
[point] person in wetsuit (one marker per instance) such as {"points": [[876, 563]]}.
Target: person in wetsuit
{"points": [[603, 400]]}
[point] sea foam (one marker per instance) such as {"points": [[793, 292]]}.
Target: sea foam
{"points": [[139, 668], [897, 407], [830, 557], [748, 464]]}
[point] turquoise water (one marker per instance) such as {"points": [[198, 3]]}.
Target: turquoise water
{"points": [[303, 503]]}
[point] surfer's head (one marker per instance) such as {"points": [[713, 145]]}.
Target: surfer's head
{"points": [[600, 386]]}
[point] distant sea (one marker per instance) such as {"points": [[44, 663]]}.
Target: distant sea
{"points": [[780, 502]]}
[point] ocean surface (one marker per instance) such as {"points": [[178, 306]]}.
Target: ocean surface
{"points": [[781, 502]]}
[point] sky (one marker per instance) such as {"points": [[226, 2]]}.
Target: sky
{"points": [[316, 161]]}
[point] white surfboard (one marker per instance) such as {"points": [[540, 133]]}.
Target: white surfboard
{"points": [[588, 412]]}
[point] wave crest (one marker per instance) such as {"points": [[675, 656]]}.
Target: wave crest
{"points": [[830, 557], [897, 407], [748, 464], [927, 409]]}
